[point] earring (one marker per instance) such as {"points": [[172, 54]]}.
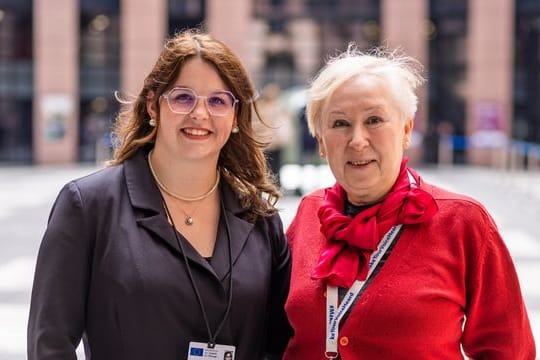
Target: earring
{"points": [[235, 130], [152, 122]]}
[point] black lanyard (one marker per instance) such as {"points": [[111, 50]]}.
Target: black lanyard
{"points": [[211, 337]]}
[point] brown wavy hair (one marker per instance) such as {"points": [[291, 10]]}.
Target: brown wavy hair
{"points": [[241, 161]]}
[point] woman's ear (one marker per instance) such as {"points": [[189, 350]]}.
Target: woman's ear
{"points": [[322, 148], [409, 124], [150, 105]]}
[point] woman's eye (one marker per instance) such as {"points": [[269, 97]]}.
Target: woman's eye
{"points": [[216, 100], [183, 98], [374, 120], [340, 123]]}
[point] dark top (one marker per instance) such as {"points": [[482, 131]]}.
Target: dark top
{"points": [[110, 270]]}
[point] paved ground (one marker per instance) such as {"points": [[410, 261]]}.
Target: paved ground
{"points": [[27, 193]]}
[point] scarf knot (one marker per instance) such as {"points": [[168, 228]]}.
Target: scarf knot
{"points": [[351, 241]]}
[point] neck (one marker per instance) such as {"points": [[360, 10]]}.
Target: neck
{"points": [[359, 200], [185, 180]]}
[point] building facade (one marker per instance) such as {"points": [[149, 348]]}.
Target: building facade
{"points": [[62, 61]]}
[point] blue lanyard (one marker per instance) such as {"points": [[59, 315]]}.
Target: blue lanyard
{"points": [[334, 314]]}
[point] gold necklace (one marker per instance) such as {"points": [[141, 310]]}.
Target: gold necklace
{"points": [[189, 218]]}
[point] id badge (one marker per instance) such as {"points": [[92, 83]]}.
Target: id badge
{"points": [[201, 351]]}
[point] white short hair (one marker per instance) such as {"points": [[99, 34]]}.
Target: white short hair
{"points": [[402, 74]]}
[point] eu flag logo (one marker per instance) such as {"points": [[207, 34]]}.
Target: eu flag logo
{"points": [[196, 352]]}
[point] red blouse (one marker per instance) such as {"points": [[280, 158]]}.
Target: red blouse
{"points": [[448, 283]]}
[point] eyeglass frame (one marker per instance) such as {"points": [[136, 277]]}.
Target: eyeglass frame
{"points": [[197, 97]]}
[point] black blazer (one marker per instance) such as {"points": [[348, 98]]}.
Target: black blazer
{"points": [[110, 270]]}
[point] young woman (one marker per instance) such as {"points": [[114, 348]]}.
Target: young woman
{"points": [[176, 249]]}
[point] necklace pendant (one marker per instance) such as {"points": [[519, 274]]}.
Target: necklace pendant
{"points": [[189, 220]]}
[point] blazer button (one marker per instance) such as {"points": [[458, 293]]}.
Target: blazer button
{"points": [[344, 341]]}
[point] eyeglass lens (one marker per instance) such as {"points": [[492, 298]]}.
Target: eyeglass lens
{"points": [[184, 100]]}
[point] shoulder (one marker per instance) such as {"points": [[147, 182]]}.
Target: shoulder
{"points": [[306, 219], [99, 182], [101, 178], [457, 206], [312, 201], [92, 190], [309, 206], [463, 224], [81, 198], [271, 225], [445, 196]]}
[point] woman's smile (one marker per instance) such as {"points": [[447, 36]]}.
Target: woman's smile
{"points": [[196, 133], [360, 163]]}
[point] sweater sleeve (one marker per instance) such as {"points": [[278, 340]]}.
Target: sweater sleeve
{"points": [[496, 326], [57, 309]]}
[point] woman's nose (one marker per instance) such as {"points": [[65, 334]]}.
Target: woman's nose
{"points": [[359, 137], [200, 108]]}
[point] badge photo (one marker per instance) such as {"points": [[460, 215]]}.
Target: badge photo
{"points": [[201, 351]]}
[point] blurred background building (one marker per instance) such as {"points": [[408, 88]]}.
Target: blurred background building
{"points": [[62, 60]]}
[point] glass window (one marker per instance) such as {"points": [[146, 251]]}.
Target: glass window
{"points": [[344, 10], [280, 69], [526, 124], [338, 23], [16, 81], [185, 14], [99, 76], [447, 72]]}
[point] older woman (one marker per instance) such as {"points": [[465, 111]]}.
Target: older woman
{"points": [[400, 269]]}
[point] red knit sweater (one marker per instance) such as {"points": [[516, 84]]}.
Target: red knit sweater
{"points": [[439, 273]]}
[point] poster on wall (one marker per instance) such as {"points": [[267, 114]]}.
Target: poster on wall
{"points": [[488, 125], [56, 109]]}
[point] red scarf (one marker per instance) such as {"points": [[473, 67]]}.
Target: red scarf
{"points": [[351, 241]]}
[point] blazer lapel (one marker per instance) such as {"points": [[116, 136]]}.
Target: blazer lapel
{"points": [[145, 197], [240, 231]]}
